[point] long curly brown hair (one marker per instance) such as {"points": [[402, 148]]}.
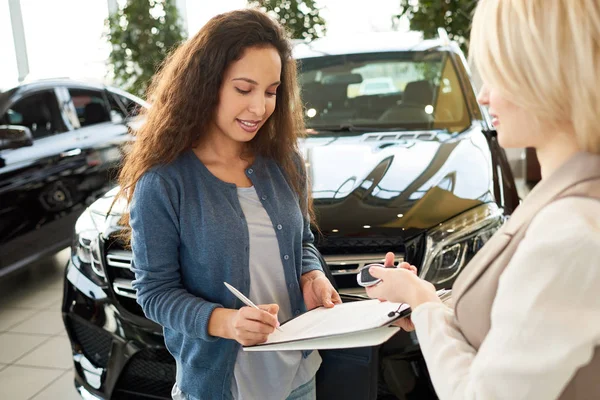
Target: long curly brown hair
{"points": [[184, 97]]}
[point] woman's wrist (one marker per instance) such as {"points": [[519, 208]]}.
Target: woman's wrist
{"points": [[424, 292], [310, 275], [219, 323]]}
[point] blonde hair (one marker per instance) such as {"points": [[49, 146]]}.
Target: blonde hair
{"points": [[543, 55]]}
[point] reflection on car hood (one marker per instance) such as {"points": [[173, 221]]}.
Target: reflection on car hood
{"points": [[368, 185]]}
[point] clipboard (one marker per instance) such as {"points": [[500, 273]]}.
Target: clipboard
{"points": [[354, 324]]}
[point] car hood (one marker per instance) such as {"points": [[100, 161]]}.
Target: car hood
{"points": [[387, 184], [390, 184]]}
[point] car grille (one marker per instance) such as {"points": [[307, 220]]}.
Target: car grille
{"points": [[120, 259], [120, 276], [344, 256], [93, 342], [351, 264], [149, 374], [344, 245], [344, 269]]}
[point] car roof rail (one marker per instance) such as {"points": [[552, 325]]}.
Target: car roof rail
{"points": [[31, 79]]}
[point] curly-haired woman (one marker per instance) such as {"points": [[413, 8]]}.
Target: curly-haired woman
{"points": [[218, 193]]}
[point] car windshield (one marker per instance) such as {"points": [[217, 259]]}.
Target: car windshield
{"points": [[407, 90]]}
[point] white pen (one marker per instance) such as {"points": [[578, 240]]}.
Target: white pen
{"points": [[244, 299]]}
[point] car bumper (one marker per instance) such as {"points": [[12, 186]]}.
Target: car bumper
{"points": [[85, 394], [118, 355], [114, 358]]}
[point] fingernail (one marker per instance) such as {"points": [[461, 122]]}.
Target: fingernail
{"points": [[278, 324]]}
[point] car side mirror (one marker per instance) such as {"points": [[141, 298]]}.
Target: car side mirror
{"points": [[14, 137]]}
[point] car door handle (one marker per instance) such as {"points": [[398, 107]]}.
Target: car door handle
{"points": [[70, 153]]}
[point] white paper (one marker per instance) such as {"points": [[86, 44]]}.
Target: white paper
{"points": [[353, 324], [373, 337], [343, 318]]}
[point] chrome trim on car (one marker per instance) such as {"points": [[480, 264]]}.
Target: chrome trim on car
{"points": [[387, 136], [351, 264], [119, 258], [123, 287]]}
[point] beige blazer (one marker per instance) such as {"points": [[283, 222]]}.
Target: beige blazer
{"points": [[475, 290]]}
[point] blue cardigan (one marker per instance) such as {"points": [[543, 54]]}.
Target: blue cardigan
{"points": [[189, 235]]}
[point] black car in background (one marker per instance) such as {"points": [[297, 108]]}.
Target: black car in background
{"points": [[401, 158], [60, 143]]}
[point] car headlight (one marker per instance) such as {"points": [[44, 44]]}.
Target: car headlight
{"points": [[85, 249], [452, 244]]}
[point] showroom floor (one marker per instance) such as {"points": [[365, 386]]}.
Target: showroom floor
{"points": [[35, 354]]}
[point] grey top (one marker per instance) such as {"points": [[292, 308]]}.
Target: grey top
{"points": [[273, 374]]}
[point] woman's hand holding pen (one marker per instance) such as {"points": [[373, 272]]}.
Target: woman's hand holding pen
{"points": [[318, 291], [401, 285], [251, 326], [247, 326]]}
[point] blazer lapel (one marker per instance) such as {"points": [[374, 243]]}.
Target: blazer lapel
{"points": [[480, 262]]}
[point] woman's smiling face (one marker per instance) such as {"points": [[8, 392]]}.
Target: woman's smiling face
{"points": [[248, 94], [514, 124]]}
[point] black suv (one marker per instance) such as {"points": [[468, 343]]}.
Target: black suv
{"points": [[401, 158], [60, 144]]}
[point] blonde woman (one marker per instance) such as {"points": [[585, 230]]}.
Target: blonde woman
{"points": [[526, 317]]}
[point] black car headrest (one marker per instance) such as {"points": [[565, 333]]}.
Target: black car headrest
{"points": [[95, 113], [418, 92]]}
